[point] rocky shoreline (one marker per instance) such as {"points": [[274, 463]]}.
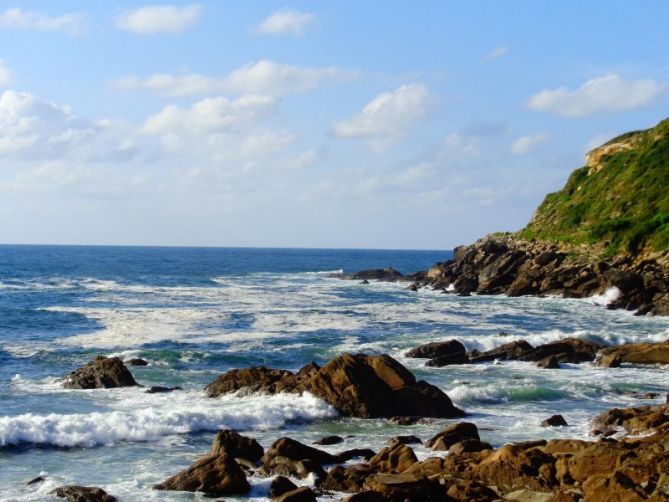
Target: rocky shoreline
{"points": [[629, 461]]}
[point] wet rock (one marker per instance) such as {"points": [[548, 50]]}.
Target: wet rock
{"points": [[354, 384], [75, 493], [404, 420], [329, 440], [439, 362], [413, 287], [366, 496], [346, 479], [379, 274], [639, 353], [157, 389], [554, 421], [347, 455], [453, 434], [301, 494], [405, 440], [236, 446], [100, 373], [511, 350], [136, 362], [395, 458], [279, 486], [609, 361], [364, 281], [437, 349], [34, 481], [406, 488], [568, 350], [634, 419], [468, 446], [214, 475], [550, 362], [294, 450]]}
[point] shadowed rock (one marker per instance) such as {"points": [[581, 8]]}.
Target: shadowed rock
{"points": [[75, 493], [437, 349], [236, 446], [453, 434], [100, 373]]}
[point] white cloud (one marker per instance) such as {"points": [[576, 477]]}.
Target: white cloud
{"points": [[16, 18], [5, 75], [524, 144], [153, 19], [608, 93], [497, 53], [387, 115], [262, 77], [286, 22]]}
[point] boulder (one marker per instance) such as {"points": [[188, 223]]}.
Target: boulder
{"points": [[100, 373], [511, 350], [439, 362], [379, 274], [294, 450], [635, 419], [395, 458], [213, 475], [249, 380], [406, 488], [157, 389], [404, 420], [638, 353], [74, 493], [329, 440], [614, 486], [550, 362], [236, 446], [453, 434], [405, 440], [136, 362], [468, 446], [568, 350], [301, 494], [279, 486], [554, 421], [609, 361], [366, 496], [437, 349]]}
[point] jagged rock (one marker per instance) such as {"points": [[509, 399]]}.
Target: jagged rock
{"points": [[136, 362], [301, 494], [615, 486], [554, 421], [366, 496], [279, 486], [637, 353], [395, 458], [74, 493], [568, 350], [100, 373], [294, 450], [439, 362], [354, 384], [346, 479], [635, 419], [405, 440], [406, 488], [437, 349], [468, 446], [511, 350], [347, 455], [329, 440], [453, 434], [550, 362], [236, 446], [214, 475]]}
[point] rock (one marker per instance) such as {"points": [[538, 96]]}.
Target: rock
{"points": [[366, 496], [404, 420], [554, 421], [437, 349], [347, 455], [75, 493], [638, 353], [462, 490], [346, 479], [354, 384], [301, 494], [294, 450], [405, 440], [614, 486], [413, 287], [439, 362], [550, 362], [100, 373], [214, 475], [568, 350], [511, 350], [34, 481], [406, 488], [635, 419], [468, 446], [453, 434], [236, 446], [364, 281], [157, 389], [279, 486], [395, 458], [136, 362], [609, 361], [329, 440], [379, 274]]}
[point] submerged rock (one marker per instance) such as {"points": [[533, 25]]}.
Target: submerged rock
{"points": [[354, 384], [100, 373], [74, 493]]}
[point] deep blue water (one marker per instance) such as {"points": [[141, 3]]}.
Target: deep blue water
{"points": [[193, 313]]}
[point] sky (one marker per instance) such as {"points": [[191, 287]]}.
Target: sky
{"points": [[347, 124]]}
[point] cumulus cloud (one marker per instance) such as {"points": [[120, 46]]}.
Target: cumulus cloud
{"points": [[524, 144], [262, 77], [497, 53], [154, 19], [286, 22], [609, 93], [5, 75], [16, 18], [388, 115]]}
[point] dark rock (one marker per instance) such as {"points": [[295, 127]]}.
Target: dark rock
{"points": [[468, 446], [328, 440], [452, 434], [100, 373], [439, 362], [301, 494], [366, 496], [511, 350], [395, 458], [404, 420], [568, 350], [214, 475], [609, 361], [437, 349], [136, 362], [413, 287], [379, 274], [365, 281], [554, 421], [638, 353], [294, 450], [236, 446], [347, 455], [405, 440], [550, 362], [255, 379], [157, 389], [75, 493], [279, 486], [36, 480]]}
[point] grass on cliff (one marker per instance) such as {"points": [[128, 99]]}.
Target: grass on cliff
{"points": [[623, 207]]}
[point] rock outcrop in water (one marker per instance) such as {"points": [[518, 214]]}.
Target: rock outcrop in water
{"points": [[75, 493], [356, 385], [637, 353], [100, 373]]}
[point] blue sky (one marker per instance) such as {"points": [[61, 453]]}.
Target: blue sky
{"points": [[310, 124]]}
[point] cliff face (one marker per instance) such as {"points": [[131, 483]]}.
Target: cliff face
{"points": [[617, 203], [608, 227]]}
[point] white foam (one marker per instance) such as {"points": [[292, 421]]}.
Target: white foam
{"points": [[607, 297], [148, 417]]}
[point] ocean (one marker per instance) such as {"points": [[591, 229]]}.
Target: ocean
{"points": [[194, 313]]}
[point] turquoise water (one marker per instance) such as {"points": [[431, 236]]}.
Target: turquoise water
{"points": [[194, 313]]}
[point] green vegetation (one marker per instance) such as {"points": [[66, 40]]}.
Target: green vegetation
{"points": [[619, 202]]}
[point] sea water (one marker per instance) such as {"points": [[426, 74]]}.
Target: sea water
{"points": [[194, 313]]}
